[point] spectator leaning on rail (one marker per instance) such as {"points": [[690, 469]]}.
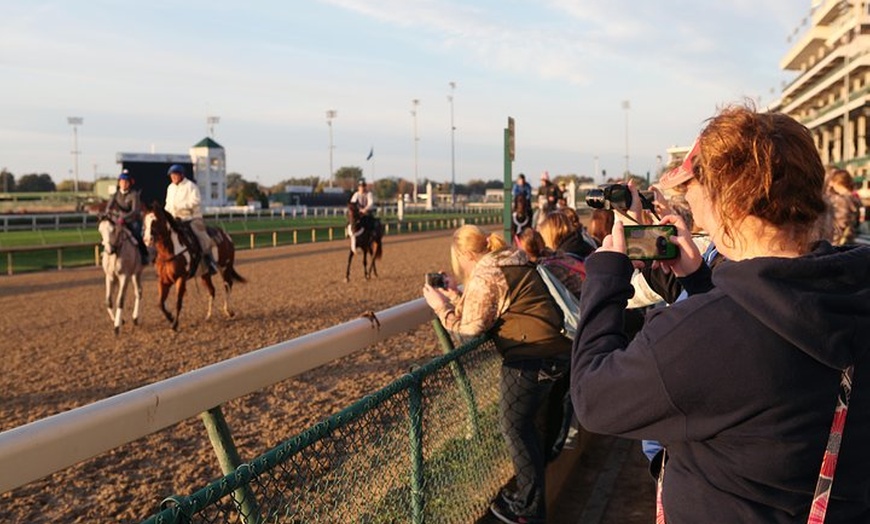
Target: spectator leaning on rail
{"points": [[183, 203], [740, 380], [125, 208], [505, 296]]}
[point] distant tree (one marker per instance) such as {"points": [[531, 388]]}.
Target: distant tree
{"points": [[476, 187], [7, 181], [234, 184], [347, 176], [251, 191], [386, 189], [70, 185], [405, 187], [310, 181], [35, 183], [495, 184]]}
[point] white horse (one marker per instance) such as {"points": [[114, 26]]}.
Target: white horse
{"points": [[122, 264]]}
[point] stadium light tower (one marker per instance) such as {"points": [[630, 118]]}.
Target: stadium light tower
{"points": [[330, 115], [626, 105], [414, 103], [452, 148], [75, 122]]}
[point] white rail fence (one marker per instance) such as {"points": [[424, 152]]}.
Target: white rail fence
{"points": [[43, 447]]}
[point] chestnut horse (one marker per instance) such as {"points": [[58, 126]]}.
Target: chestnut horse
{"points": [[122, 265], [177, 251], [369, 233]]}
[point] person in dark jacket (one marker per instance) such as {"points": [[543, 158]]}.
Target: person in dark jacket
{"points": [[740, 380], [505, 297], [125, 208]]}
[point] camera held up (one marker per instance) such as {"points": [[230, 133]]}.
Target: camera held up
{"points": [[616, 197]]}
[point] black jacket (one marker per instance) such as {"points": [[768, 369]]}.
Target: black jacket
{"points": [[738, 382]]}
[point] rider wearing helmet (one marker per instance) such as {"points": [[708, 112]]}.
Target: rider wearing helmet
{"points": [[125, 209], [183, 203], [366, 202]]}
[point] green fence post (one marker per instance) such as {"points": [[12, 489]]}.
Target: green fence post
{"points": [[415, 407], [229, 459], [460, 376]]}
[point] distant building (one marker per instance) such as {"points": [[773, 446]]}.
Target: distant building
{"points": [[205, 164], [831, 93]]}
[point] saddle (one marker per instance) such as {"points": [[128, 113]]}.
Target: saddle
{"points": [[188, 238]]}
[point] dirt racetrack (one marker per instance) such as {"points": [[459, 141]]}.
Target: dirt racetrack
{"points": [[59, 352]]}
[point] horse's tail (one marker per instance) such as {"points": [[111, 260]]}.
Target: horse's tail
{"points": [[379, 242], [233, 276]]}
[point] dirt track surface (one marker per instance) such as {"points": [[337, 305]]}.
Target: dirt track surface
{"points": [[59, 352]]}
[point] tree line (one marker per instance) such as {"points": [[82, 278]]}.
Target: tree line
{"points": [[241, 190]]}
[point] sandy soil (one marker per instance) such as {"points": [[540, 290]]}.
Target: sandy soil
{"points": [[59, 352]]}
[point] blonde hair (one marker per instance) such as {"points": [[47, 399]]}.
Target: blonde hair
{"points": [[555, 228], [472, 240]]}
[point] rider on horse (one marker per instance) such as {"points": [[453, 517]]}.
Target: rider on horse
{"points": [[364, 199], [125, 208], [183, 203]]}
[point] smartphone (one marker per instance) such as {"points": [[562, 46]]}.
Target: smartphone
{"points": [[436, 280], [650, 242]]}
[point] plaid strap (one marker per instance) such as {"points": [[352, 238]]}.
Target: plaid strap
{"points": [[832, 451], [660, 509]]}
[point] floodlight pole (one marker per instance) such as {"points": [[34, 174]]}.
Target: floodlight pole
{"points": [[452, 148], [75, 121], [330, 115], [414, 103]]}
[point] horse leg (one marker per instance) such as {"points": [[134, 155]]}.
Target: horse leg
{"points": [[226, 275], [110, 285], [206, 280], [365, 263], [119, 303], [137, 293], [163, 292], [347, 273], [179, 300]]}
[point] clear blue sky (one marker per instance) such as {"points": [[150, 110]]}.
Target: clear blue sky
{"points": [[145, 75]]}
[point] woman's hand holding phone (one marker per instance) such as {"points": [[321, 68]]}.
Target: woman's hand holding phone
{"points": [[689, 259]]}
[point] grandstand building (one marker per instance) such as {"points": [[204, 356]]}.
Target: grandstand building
{"points": [[831, 92]]}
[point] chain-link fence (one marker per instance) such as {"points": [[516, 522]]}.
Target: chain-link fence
{"points": [[426, 447]]}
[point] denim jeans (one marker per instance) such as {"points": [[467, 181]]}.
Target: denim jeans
{"points": [[526, 389]]}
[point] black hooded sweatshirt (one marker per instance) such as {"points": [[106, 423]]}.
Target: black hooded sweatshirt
{"points": [[739, 382]]}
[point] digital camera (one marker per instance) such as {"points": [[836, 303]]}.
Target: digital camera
{"points": [[436, 280], [616, 196]]}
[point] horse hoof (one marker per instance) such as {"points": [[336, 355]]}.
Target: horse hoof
{"points": [[117, 331], [135, 321]]}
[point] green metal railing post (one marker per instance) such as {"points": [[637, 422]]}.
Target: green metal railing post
{"points": [[415, 406], [228, 456], [461, 378], [508, 180]]}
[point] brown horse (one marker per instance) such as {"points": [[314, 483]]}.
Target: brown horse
{"points": [[368, 233], [521, 216], [178, 251]]}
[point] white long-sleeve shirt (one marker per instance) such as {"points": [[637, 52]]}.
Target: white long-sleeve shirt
{"points": [[183, 200], [366, 201]]}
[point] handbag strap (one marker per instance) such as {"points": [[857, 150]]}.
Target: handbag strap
{"points": [[829, 461], [832, 451]]}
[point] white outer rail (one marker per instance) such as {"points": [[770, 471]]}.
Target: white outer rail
{"points": [[45, 446]]}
